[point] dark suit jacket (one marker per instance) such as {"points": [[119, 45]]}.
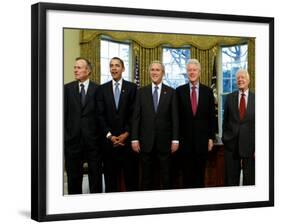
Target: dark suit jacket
{"points": [[116, 121], [238, 133], [150, 127], [196, 130], [80, 122]]}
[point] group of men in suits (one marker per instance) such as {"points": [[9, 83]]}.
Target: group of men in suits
{"points": [[147, 137]]}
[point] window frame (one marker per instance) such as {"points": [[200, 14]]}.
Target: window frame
{"points": [[130, 58], [220, 87], [187, 47]]}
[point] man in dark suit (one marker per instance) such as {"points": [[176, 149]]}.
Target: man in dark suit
{"points": [[155, 129], [81, 131], [239, 133], [197, 126], [116, 100]]}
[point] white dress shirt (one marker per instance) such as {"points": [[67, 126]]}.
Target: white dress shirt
{"points": [[120, 81], [86, 85], [246, 93], [196, 90], [113, 89], [158, 90]]}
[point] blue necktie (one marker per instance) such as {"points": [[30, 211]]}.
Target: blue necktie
{"points": [[82, 94], [155, 98], [116, 94]]}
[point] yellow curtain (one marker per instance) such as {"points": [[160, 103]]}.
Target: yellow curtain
{"points": [[145, 56], [206, 59], [148, 47], [251, 62], [152, 40], [91, 51]]}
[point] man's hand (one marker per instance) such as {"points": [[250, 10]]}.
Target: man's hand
{"points": [[174, 147], [122, 138], [136, 146], [115, 140], [210, 145]]}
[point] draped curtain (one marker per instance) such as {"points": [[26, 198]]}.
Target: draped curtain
{"points": [[206, 59], [91, 50], [145, 57], [148, 47], [251, 62]]}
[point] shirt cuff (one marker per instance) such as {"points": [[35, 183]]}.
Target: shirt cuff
{"points": [[176, 141], [134, 141], [108, 134]]}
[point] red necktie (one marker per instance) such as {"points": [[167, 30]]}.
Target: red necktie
{"points": [[242, 108], [193, 100]]}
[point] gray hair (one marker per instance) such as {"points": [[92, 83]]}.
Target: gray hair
{"points": [[194, 61], [89, 65], [244, 72]]}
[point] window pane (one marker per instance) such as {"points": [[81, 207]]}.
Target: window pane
{"points": [[233, 59], [227, 85], [175, 60], [110, 49]]}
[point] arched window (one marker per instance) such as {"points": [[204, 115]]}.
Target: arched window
{"points": [[175, 60], [233, 58], [110, 49]]}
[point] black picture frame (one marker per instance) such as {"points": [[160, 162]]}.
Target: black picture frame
{"points": [[39, 110]]}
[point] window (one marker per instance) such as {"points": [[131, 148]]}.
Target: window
{"points": [[175, 60], [110, 49], [233, 59]]}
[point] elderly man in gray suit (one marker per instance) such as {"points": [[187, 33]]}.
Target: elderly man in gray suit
{"points": [[239, 133]]}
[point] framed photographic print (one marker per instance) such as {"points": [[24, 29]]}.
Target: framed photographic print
{"points": [[222, 43]]}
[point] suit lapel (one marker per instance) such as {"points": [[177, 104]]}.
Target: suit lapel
{"points": [[249, 105], [162, 97], [89, 92], [235, 105], [187, 100], [76, 92], [124, 90], [109, 89], [149, 96], [200, 103]]}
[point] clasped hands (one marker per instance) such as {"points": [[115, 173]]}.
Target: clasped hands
{"points": [[119, 140]]}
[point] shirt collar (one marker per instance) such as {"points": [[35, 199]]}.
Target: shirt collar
{"points": [[120, 81], [196, 85], [159, 85], [246, 92], [85, 83]]}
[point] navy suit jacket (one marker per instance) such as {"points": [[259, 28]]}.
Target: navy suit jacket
{"points": [[111, 119], [196, 130], [80, 122], [150, 127]]}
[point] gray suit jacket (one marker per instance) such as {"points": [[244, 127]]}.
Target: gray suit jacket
{"points": [[239, 135]]}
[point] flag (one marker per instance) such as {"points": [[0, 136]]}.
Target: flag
{"points": [[214, 77], [214, 88], [136, 73]]}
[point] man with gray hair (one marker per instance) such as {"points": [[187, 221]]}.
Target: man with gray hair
{"points": [[197, 126], [81, 131], [239, 133]]}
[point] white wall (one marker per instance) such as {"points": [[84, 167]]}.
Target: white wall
{"points": [[15, 111]]}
